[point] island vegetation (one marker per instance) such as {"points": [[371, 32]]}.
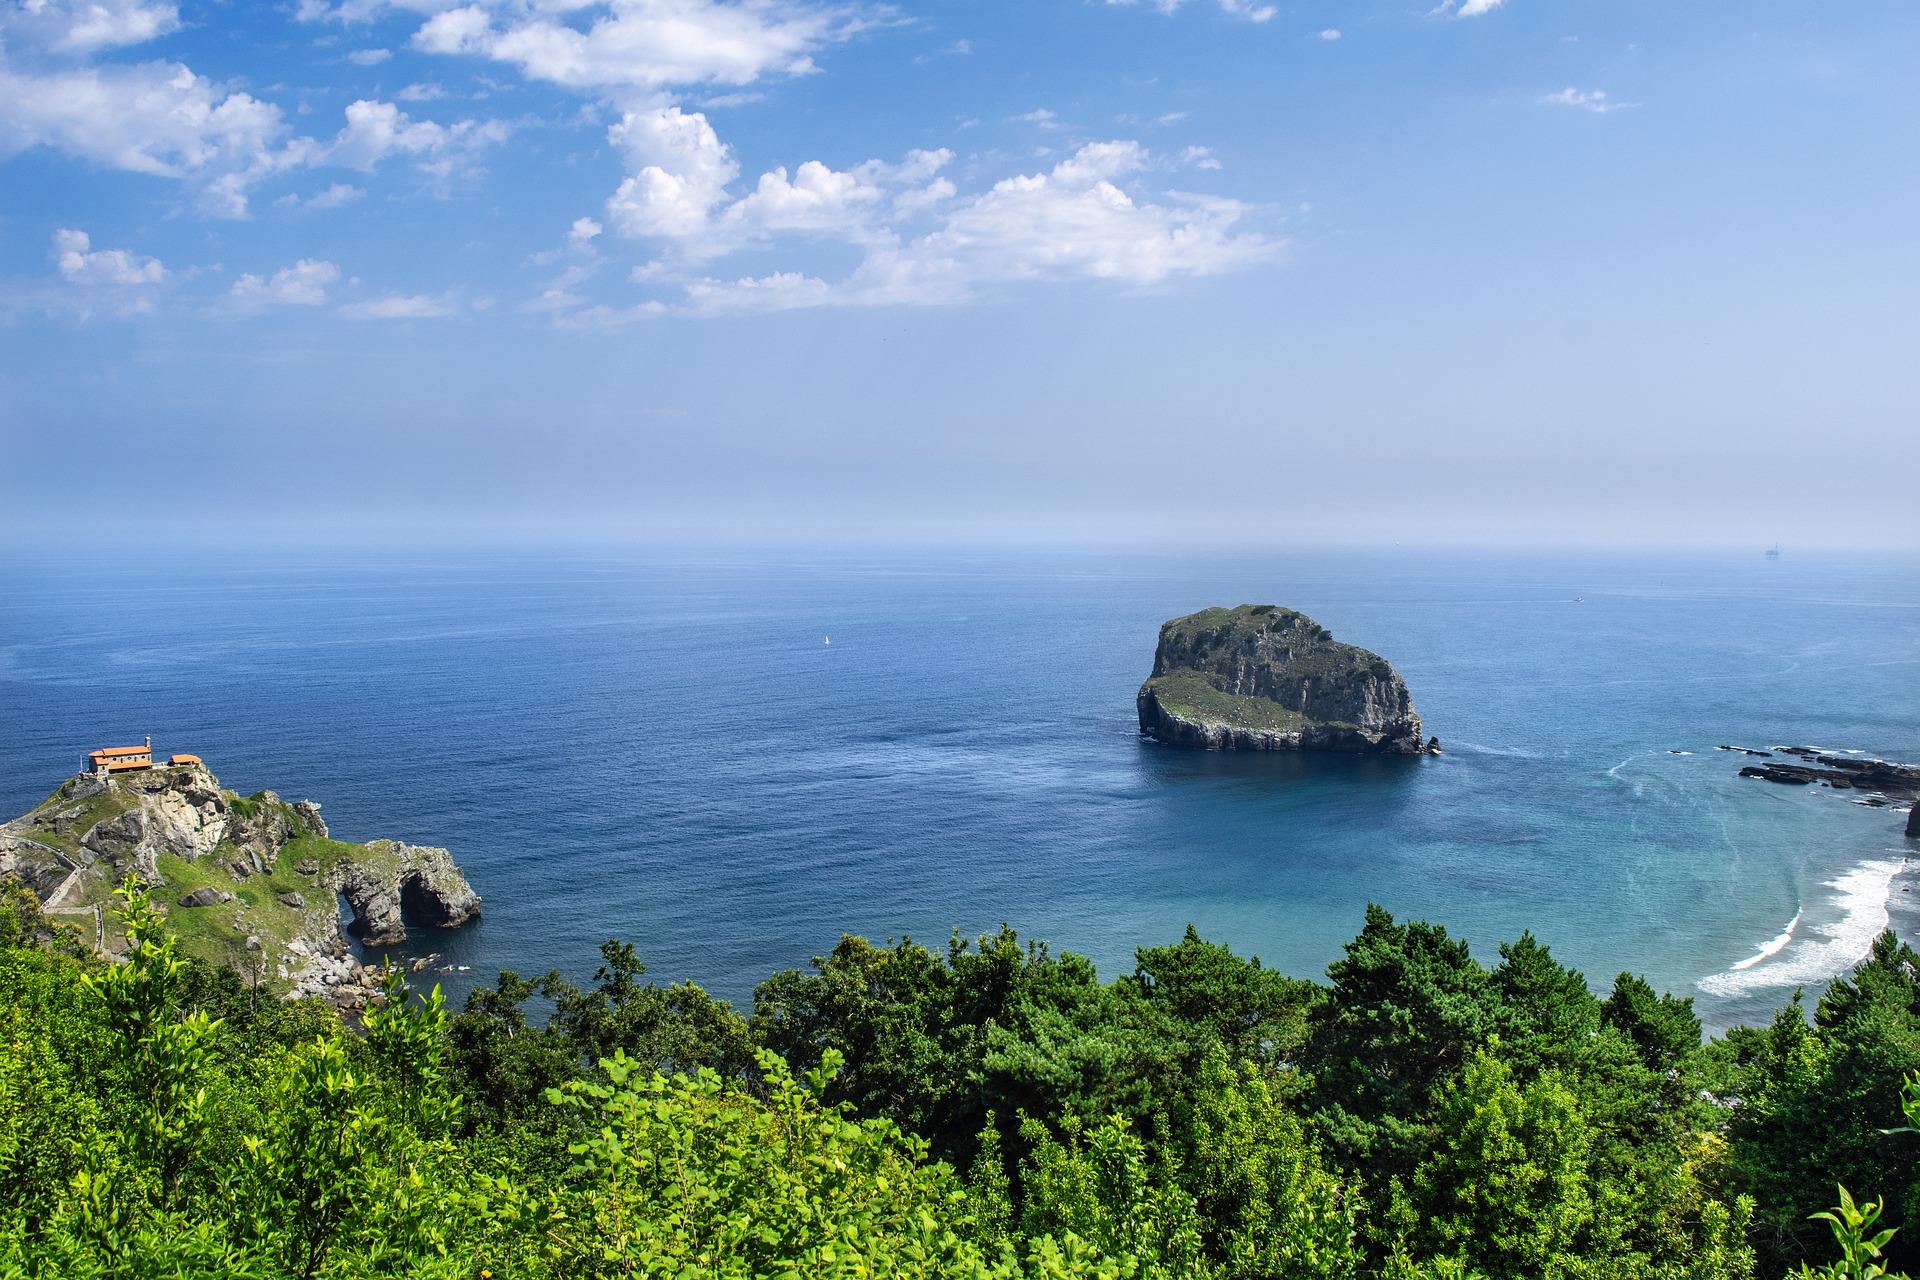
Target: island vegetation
{"points": [[990, 1108], [1262, 678]]}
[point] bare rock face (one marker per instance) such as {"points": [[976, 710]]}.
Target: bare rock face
{"points": [[1264, 678], [397, 883], [180, 813], [39, 867], [309, 811]]}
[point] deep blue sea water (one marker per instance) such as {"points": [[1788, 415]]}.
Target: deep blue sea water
{"points": [[662, 745]]}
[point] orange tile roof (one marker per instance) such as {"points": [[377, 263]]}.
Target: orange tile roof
{"points": [[108, 752], [186, 760]]}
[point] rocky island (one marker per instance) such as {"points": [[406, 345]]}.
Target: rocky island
{"points": [[251, 881], [1263, 678]]}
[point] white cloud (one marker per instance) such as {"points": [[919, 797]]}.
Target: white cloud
{"points": [[1039, 115], [80, 263], [1475, 8], [1072, 222], [680, 170], [1251, 10], [421, 93], [1594, 100], [400, 306], [161, 118], [369, 57], [645, 44], [340, 193], [304, 284], [66, 27], [377, 130], [583, 231], [155, 118], [1331, 33]]}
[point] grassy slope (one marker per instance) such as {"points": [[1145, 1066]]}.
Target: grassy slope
{"points": [[1192, 696], [1188, 695], [210, 932]]}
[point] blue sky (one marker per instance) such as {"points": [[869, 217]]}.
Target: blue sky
{"points": [[1528, 271]]}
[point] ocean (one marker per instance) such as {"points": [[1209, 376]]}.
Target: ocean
{"points": [[730, 757]]}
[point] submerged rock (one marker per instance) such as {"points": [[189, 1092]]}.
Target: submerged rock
{"points": [[1264, 678]]}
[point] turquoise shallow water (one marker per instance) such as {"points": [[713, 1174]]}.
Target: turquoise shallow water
{"points": [[662, 745]]}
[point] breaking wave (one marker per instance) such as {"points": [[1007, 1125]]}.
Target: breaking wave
{"points": [[1772, 948], [1832, 949]]}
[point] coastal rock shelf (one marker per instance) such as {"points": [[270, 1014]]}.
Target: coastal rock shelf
{"points": [[1883, 783], [1263, 678], [251, 881]]}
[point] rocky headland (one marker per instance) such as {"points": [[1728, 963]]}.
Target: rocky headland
{"points": [[251, 881], [1263, 678]]}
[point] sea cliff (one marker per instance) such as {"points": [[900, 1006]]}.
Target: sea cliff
{"points": [[252, 881], [1264, 678]]}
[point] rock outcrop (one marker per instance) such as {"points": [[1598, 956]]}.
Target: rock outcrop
{"points": [[398, 882], [1264, 678], [260, 878], [1882, 784]]}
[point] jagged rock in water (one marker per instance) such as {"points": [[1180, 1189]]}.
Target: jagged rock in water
{"points": [[400, 882], [1264, 678]]}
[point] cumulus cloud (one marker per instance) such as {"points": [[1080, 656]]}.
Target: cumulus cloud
{"points": [[376, 131], [93, 281], [65, 27], [369, 57], [1074, 221], [680, 169], [81, 263], [1594, 100], [644, 44], [163, 119], [156, 118], [304, 284]]}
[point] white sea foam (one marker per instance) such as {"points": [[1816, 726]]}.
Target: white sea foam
{"points": [[1861, 895], [1772, 948]]}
